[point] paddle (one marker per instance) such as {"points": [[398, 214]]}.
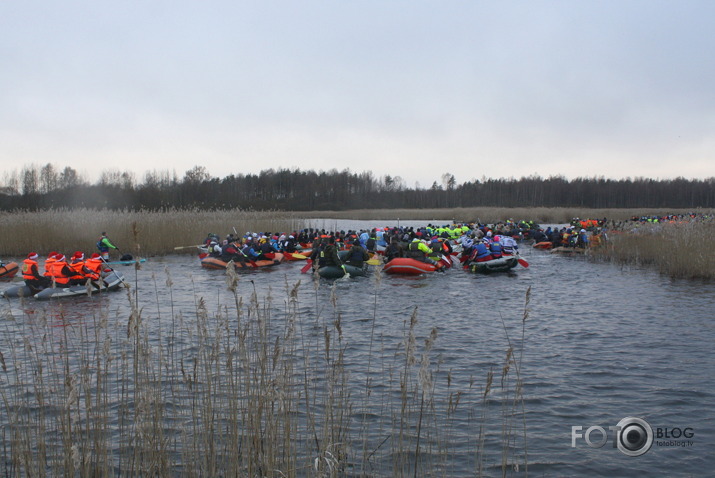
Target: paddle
{"points": [[308, 265], [373, 262], [295, 255], [121, 277], [186, 247], [522, 261]]}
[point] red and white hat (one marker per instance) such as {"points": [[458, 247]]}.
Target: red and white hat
{"points": [[95, 256], [32, 256], [78, 255]]}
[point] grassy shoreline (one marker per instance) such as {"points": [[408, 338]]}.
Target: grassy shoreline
{"points": [[678, 250]]}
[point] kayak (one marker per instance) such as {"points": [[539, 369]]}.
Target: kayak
{"points": [[409, 266], [336, 272], [8, 271], [216, 263], [503, 264], [544, 245], [111, 281]]}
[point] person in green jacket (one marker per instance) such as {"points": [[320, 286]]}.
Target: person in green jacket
{"points": [[104, 245]]}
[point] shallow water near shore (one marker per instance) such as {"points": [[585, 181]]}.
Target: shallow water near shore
{"points": [[601, 343]]}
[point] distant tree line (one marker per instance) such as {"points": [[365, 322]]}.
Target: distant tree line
{"points": [[45, 187]]}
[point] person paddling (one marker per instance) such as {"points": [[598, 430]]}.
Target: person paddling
{"points": [[104, 245]]}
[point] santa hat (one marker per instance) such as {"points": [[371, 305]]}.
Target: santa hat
{"points": [[32, 256], [95, 256], [78, 255], [60, 257], [52, 254]]}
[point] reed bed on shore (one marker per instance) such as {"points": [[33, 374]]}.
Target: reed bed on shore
{"points": [[67, 230], [679, 250], [257, 389], [490, 215]]}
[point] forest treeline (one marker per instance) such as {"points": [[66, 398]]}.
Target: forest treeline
{"points": [[46, 187]]}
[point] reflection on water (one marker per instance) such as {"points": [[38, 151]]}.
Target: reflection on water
{"points": [[601, 343]]}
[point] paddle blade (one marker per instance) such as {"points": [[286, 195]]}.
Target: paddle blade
{"points": [[298, 256], [307, 266], [373, 262], [523, 262]]}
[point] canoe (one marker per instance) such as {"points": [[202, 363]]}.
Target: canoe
{"points": [[503, 264], [544, 245], [216, 263], [335, 272], [8, 270], [408, 266]]}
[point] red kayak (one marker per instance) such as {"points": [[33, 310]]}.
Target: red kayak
{"points": [[216, 263], [8, 271], [405, 265]]}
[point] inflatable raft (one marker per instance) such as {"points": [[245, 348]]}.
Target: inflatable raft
{"points": [[111, 281], [503, 264], [408, 266], [216, 263], [8, 271], [543, 245], [335, 272]]}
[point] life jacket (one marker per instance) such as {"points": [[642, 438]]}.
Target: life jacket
{"points": [[78, 268], [496, 250], [27, 273], [327, 256], [414, 252], [102, 246], [481, 253], [48, 266], [357, 255], [57, 274], [94, 265]]}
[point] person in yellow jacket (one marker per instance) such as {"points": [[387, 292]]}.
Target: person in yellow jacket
{"points": [[420, 251]]}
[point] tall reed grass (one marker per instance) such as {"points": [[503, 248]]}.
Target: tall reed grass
{"points": [[254, 388], [678, 250], [67, 230]]}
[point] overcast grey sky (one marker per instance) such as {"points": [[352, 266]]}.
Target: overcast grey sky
{"points": [[408, 88]]}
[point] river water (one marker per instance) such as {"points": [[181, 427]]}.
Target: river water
{"points": [[601, 343]]}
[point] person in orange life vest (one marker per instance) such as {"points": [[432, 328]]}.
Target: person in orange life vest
{"points": [[48, 265], [31, 273], [61, 271], [93, 267], [79, 275]]}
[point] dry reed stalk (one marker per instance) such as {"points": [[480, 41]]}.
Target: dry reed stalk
{"points": [[68, 230], [248, 389], [680, 251]]}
